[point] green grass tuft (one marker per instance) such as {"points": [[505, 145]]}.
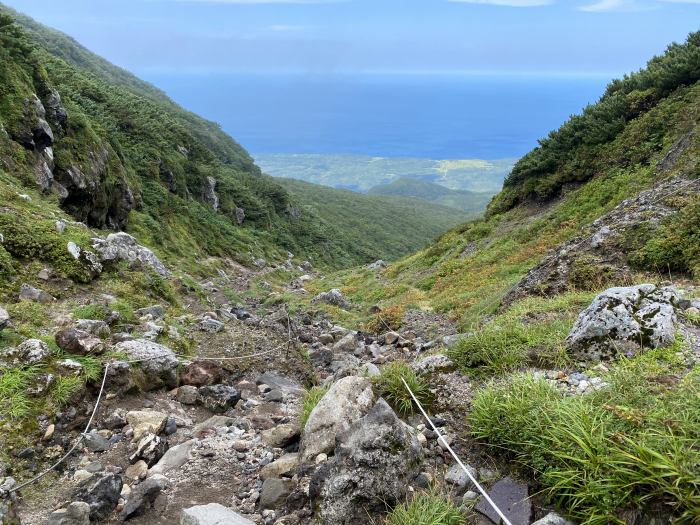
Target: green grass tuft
{"points": [[426, 508], [309, 402], [391, 387]]}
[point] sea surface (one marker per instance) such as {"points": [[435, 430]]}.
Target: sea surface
{"points": [[425, 116]]}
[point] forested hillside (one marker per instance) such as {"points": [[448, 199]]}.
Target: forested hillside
{"points": [[379, 226], [468, 201], [117, 153]]}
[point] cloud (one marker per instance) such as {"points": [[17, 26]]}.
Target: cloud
{"points": [[508, 3], [609, 5]]}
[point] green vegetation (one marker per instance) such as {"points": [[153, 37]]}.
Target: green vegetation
{"points": [[391, 387], [530, 332], [585, 145], [369, 227], [309, 402], [426, 508], [467, 201], [360, 173], [626, 446], [154, 157]]}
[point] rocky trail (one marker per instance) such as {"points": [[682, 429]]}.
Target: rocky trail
{"points": [[215, 437]]}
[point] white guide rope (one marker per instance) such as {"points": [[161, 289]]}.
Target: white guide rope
{"points": [[452, 452]]}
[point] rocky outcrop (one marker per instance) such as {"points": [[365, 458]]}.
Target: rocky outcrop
{"points": [[376, 458], [347, 401], [209, 194], [624, 321], [599, 255], [123, 247], [4, 318]]}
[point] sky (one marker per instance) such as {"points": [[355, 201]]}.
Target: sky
{"points": [[552, 37]]}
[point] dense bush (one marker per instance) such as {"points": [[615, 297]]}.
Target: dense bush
{"points": [[577, 150]]}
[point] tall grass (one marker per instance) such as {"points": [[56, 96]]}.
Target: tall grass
{"points": [[426, 508], [631, 445], [391, 386]]}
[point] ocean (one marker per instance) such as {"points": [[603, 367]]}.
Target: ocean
{"points": [[425, 116]]}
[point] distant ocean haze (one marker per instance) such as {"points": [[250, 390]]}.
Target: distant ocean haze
{"points": [[401, 115]]}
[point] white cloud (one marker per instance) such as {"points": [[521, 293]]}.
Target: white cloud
{"points": [[508, 3], [609, 5]]}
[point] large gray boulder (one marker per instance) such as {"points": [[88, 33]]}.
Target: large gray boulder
{"points": [[347, 401], [123, 247], [212, 514], [623, 321], [375, 460], [157, 362]]}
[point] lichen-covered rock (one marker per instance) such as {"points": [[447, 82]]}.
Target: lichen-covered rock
{"points": [[219, 398], [123, 247], [624, 320], [333, 297], [27, 353], [347, 401], [157, 363], [376, 458]]}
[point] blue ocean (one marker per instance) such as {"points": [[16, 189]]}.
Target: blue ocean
{"points": [[427, 116]]}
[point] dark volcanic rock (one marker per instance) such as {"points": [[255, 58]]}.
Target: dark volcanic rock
{"points": [[101, 492], [512, 498]]}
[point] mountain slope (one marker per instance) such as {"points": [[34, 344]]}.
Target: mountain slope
{"points": [[611, 199], [117, 153], [386, 227], [468, 201]]}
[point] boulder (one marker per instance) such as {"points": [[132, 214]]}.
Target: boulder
{"points": [[333, 297], [376, 265], [210, 325], [187, 395], [156, 311], [347, 344], [29, 293], [121, 246], [376, 458], [219, 398], [95, 442], [280, 467], [146, 421], [79, 342], [281, 435], [212, 514], [95, 327], [4, 318], [284, 384], [202, 373], [174, 458], [511, 497], [143, 495], [76, 513], [150, 448], [274, 492], [623, 321], [32, 352], [101, 492], [345, 402], [157, 362]]}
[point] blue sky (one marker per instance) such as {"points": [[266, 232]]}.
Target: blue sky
{"points": [[587, 37]]}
